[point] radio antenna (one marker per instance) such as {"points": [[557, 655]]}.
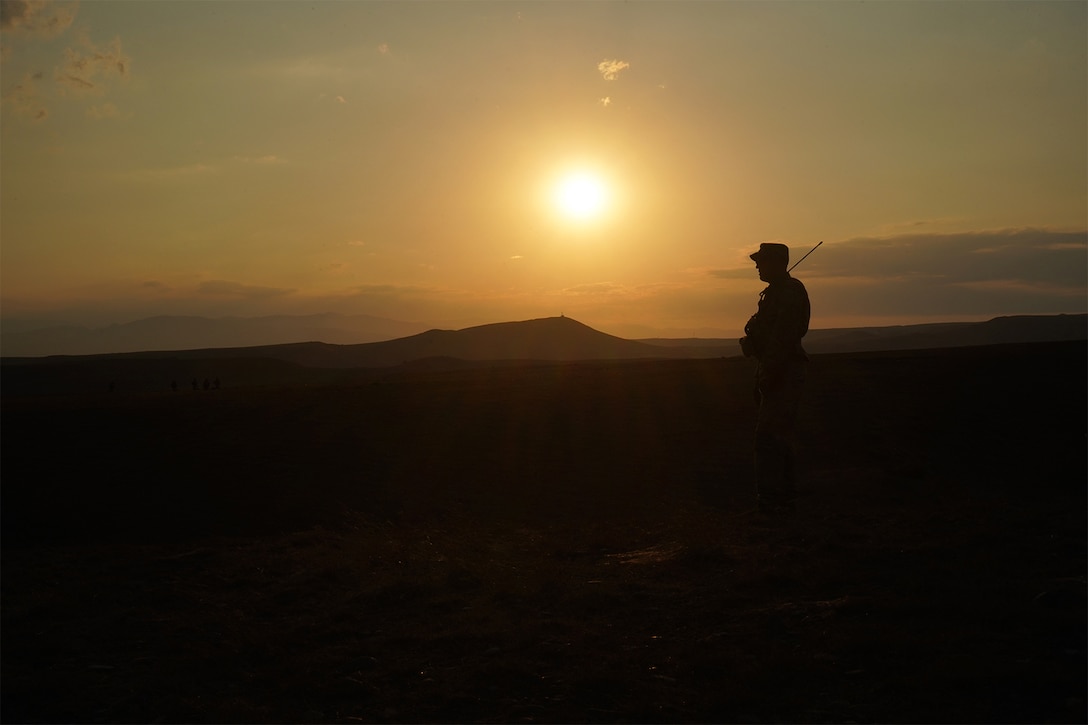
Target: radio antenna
{"points": [[802, 259]]}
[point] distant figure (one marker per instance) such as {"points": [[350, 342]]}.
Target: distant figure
{"points": [[113, 386], [174, 385], [773, 337], [207, 384]]}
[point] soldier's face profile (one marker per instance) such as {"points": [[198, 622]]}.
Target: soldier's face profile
{"points": [[769, 271]]}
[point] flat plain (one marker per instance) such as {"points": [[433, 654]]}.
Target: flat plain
{"points": [[566, 542]]}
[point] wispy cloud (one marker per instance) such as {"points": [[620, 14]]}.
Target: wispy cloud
{"points": [[265, 160], [24, 98], [1030, 255], [104, 111], [595, 288], [958, 275], [731, 273], [610, 69], [1024, 287], [84, 68], [87, 67], [224, 288], [174, 172], [36, 17], [205, 167]]}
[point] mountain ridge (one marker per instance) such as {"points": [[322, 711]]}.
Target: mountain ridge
{"points": [[562, 338], [193, 332], [176, 334], [551, 339], [547, 341]]}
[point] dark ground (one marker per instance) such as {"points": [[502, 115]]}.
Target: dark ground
{"points": [[560, 543]]}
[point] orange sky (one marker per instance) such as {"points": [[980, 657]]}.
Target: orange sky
{"points": [[401, 159]]}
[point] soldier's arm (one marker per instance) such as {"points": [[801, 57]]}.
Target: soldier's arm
{"points": [[789, 327]]}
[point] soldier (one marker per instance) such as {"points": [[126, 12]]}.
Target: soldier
{"points": [[773, 337]]}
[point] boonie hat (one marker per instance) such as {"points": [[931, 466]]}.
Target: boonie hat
{"points": [[771, 252]]}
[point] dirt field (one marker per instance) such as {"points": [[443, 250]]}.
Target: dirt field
{"points": [[554, 543]]}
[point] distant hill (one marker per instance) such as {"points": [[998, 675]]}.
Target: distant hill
{"points": [[547, 339], [553, 339], [299, 338], [998, 331], [20, 339]]}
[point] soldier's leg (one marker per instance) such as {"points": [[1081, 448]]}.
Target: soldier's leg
{"points": [[775, 467], [770, 464], [795, 383], [789, 472]]}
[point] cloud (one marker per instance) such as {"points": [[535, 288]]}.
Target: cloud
{"points": [[87, 68], [265, 160], [1020, 286], [84, 67], [173, 172], [201, 168], [610, 69], [946, 276], [223, 288], [25, 100], [384, 49], [104, 111], [903, 279], [36, 17], [733, 273], [1031, 255], [595, 288], [438, 306], [606, 101]]}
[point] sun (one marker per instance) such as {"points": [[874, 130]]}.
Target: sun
{"points": [[581, 196]]}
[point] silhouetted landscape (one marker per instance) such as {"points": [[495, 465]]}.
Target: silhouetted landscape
{"points": [[381, 362], [494, 525], [550, 339], [21, 338], [165, 333]]}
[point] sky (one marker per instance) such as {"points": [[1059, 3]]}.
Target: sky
{"points": [[407, 160]]}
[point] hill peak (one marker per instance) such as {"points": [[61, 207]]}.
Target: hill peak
{"points": [[540, 324], [547, 338]]}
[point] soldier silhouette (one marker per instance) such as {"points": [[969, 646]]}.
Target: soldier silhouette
{"points": [[773, 337]]}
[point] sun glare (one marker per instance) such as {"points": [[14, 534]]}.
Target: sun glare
{"points": [[581, 196]]}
